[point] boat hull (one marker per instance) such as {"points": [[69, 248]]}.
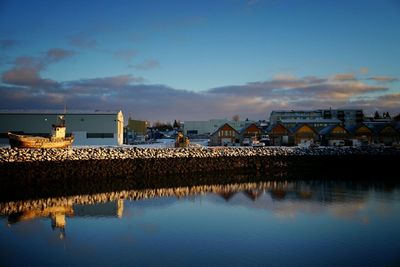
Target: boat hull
{"points": [[25, 141]]}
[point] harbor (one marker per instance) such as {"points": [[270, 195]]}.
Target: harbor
{"points": [[31, 172], [268, 215]]}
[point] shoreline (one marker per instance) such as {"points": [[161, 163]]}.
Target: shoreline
{"points": [[31, 173]]}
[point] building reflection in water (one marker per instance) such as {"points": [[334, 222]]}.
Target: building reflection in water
{"points": [[58, 210], [58, 214]]}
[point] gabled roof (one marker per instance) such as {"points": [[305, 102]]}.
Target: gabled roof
{"points": [[329, 129], [354, 127], [272, 126], [298, 126], [377, 127], [248, 126], [222, 126]]}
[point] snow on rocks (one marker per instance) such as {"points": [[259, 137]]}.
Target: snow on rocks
{"points": [[115, 153]]}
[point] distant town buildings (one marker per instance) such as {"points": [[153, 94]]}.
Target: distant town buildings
{"points": [[191, 128], [327, 127], [318, 117]]}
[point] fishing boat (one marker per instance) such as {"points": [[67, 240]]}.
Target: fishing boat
{"points": [[57, 139]]}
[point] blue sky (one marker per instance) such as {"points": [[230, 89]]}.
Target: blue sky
{"points": [[165, 60]]}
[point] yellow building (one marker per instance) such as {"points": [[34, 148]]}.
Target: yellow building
{"points": [[361, 132], [304, 133], [137, 126]]}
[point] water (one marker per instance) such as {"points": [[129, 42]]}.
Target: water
{"points": [[281, 223]]}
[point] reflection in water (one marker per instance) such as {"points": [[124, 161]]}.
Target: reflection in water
{"points": [[112, 204], [283, 223], [58, 213]]}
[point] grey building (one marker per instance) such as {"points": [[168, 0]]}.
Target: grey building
{"points": [[88, 127], [210, 126], [344, 116]]}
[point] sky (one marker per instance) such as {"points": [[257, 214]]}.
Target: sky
{"points": [[198, 60]]}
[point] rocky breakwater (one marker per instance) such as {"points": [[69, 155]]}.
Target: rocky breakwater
{"points": [[8, 155], [151, 166]]}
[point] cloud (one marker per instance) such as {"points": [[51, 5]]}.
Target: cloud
{"points": [[342, 91], [6, 44], [83, 41], [97, 84], [344, 77], [296, 93], [291, 89], [26, 72], [364, 70], [278, 83], [26, 69], [387, 102], [24, 88], [383, 79], [148, 64], [57, 54], [125, 55], [26, 76]]}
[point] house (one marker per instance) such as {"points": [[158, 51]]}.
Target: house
{"points": [[360, 133], [224, 135], [334, 135], [279, 135], [251, 132], [386, 133], [304, 133]]}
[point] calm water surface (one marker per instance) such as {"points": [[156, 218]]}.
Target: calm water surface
{"points": [[313, 223]]}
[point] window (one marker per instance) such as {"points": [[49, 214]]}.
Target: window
{"points": [[99, 135], [192, 132]]}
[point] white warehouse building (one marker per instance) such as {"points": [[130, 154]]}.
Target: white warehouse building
{"points": [[88, 127]]}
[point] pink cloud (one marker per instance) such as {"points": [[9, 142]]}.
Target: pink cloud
{"points": [[383, 78], [344, 77], [58, 54]]}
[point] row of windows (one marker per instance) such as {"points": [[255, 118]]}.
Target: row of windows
{"points": [[226, 133], [88, 135], [192, 132]]}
